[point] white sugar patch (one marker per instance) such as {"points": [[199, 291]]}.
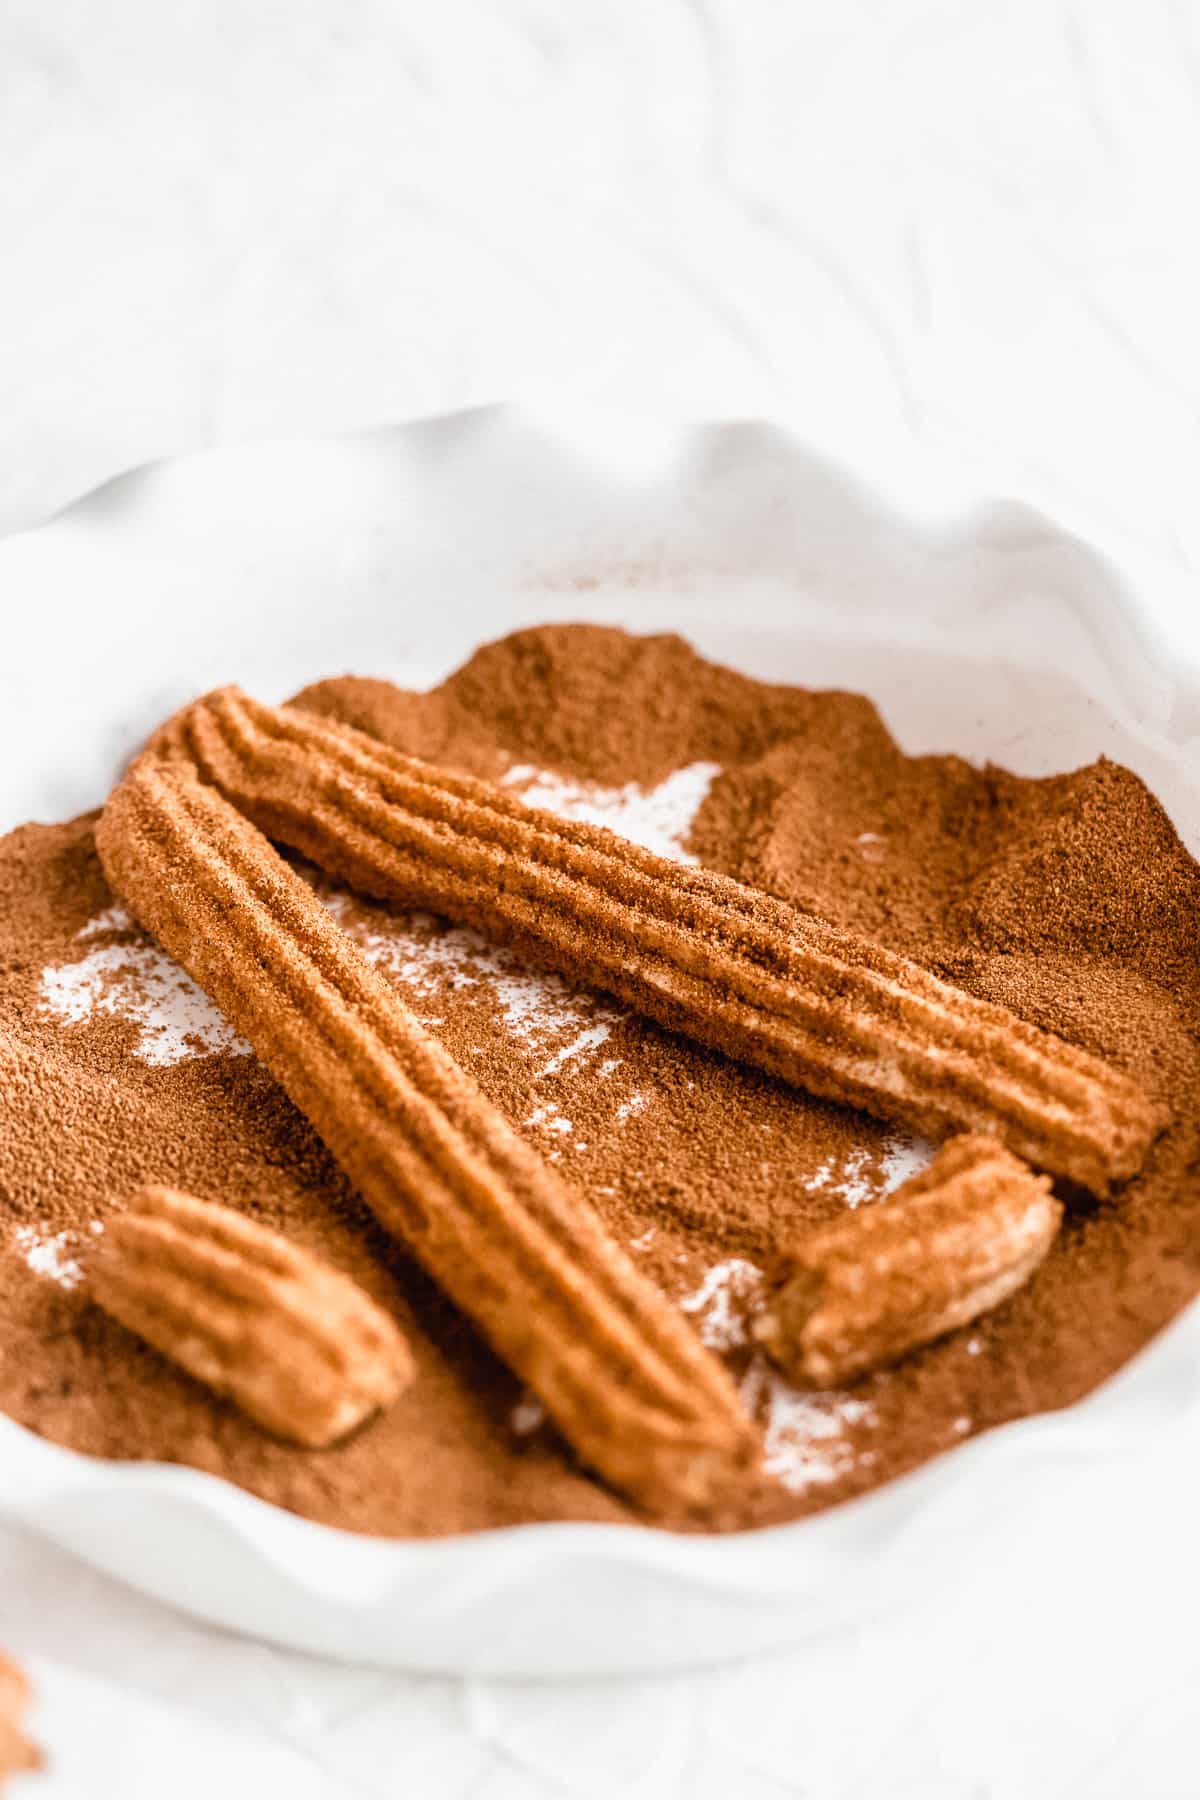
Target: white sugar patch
{"points": [[587, 1039], [636, 1103], [805, 1441], [805, 1435], [113, 918], [549, 1118], [658, 818], [854, 1179], [135, 980], [537, 1008], [903, 1158], [845, 1177], [724, 1302], [50, 1254]]}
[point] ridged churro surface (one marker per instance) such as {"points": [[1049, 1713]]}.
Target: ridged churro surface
{"points": [[622, 1374], [949, 1245], [299, 1347], [823, 1008]]}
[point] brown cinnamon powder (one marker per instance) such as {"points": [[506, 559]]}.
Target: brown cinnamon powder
{"points": [[1069, 899]]}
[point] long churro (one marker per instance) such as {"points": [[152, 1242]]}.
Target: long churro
{"points": [[699, 953], [621, 1373]]}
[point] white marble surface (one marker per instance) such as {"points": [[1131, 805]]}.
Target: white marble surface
{"points": [[948, 224]]}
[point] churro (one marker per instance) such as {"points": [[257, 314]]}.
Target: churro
{"points": [[295, 1343], [699, 953], [630, 1386], [949, 1244]]}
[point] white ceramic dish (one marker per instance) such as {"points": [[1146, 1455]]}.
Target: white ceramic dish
{"points": [[992, 634]]}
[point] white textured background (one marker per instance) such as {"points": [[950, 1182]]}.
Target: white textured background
{"points": [[966, 226]]}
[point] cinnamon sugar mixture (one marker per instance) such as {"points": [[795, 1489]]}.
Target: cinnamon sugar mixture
{"points": [[1070, 900]]}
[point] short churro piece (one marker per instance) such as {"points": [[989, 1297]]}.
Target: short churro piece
{"points": [[17, 1755], [698, 952], [619, 1370], [948, 1245], [296, 1344]]}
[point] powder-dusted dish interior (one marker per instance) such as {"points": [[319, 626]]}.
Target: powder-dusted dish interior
{"points": [[1068, 900]]}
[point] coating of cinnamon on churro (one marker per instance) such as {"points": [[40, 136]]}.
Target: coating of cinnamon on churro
{"points": [[698, 952], [622, 1374], [295, 1343], [950, 1244]]}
